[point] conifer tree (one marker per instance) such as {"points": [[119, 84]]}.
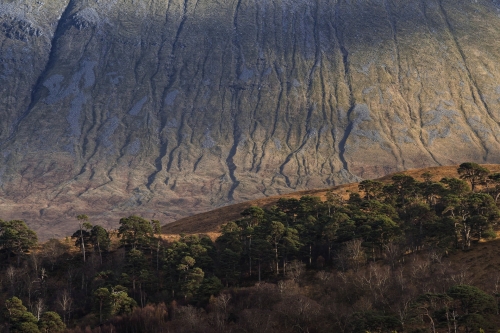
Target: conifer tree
{"points": [[16, 238], [51, 322], [474, 173], [82, 235], [19, 318]]}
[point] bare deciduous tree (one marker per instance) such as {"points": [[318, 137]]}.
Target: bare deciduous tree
{"points": [[462, 275], [51, 251], [39, 308], [221, 310], [65, 302], [393, 253], [35, 261], [352, 256], [11, 273], [324, 276], [295, 270]]}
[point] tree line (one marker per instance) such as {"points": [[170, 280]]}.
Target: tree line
{"points": [[339, 262]]}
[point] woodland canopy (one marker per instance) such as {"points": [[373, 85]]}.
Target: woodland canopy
{"points": [[373, 260]]}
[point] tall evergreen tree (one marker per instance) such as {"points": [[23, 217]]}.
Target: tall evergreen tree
{"points": [[474, 173], [135, 232], [51, 322], [16, 238], [99, 239], [19, 318], [82, 235]]}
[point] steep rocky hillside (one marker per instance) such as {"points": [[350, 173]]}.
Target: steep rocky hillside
{"points": [[166, 108]]}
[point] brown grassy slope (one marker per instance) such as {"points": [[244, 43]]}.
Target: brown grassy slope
{"points": [[212, 220], [480, 266]]}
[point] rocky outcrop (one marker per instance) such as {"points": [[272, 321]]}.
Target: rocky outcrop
{"points": [[168, 108]]}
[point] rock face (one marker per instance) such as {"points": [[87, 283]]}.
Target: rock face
{"points": [[166, 108]]}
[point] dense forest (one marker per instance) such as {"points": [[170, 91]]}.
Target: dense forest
{"points": [[375, 260]]}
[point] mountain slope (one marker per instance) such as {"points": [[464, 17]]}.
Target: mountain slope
{"points": [[168, 108], [211, 221]]}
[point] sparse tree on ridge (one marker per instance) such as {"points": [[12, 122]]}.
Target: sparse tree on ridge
{"points": [[135, 232], [372, 188], [474, 173]]}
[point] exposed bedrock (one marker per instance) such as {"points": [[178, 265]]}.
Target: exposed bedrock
{"points": [[169, 108]]}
